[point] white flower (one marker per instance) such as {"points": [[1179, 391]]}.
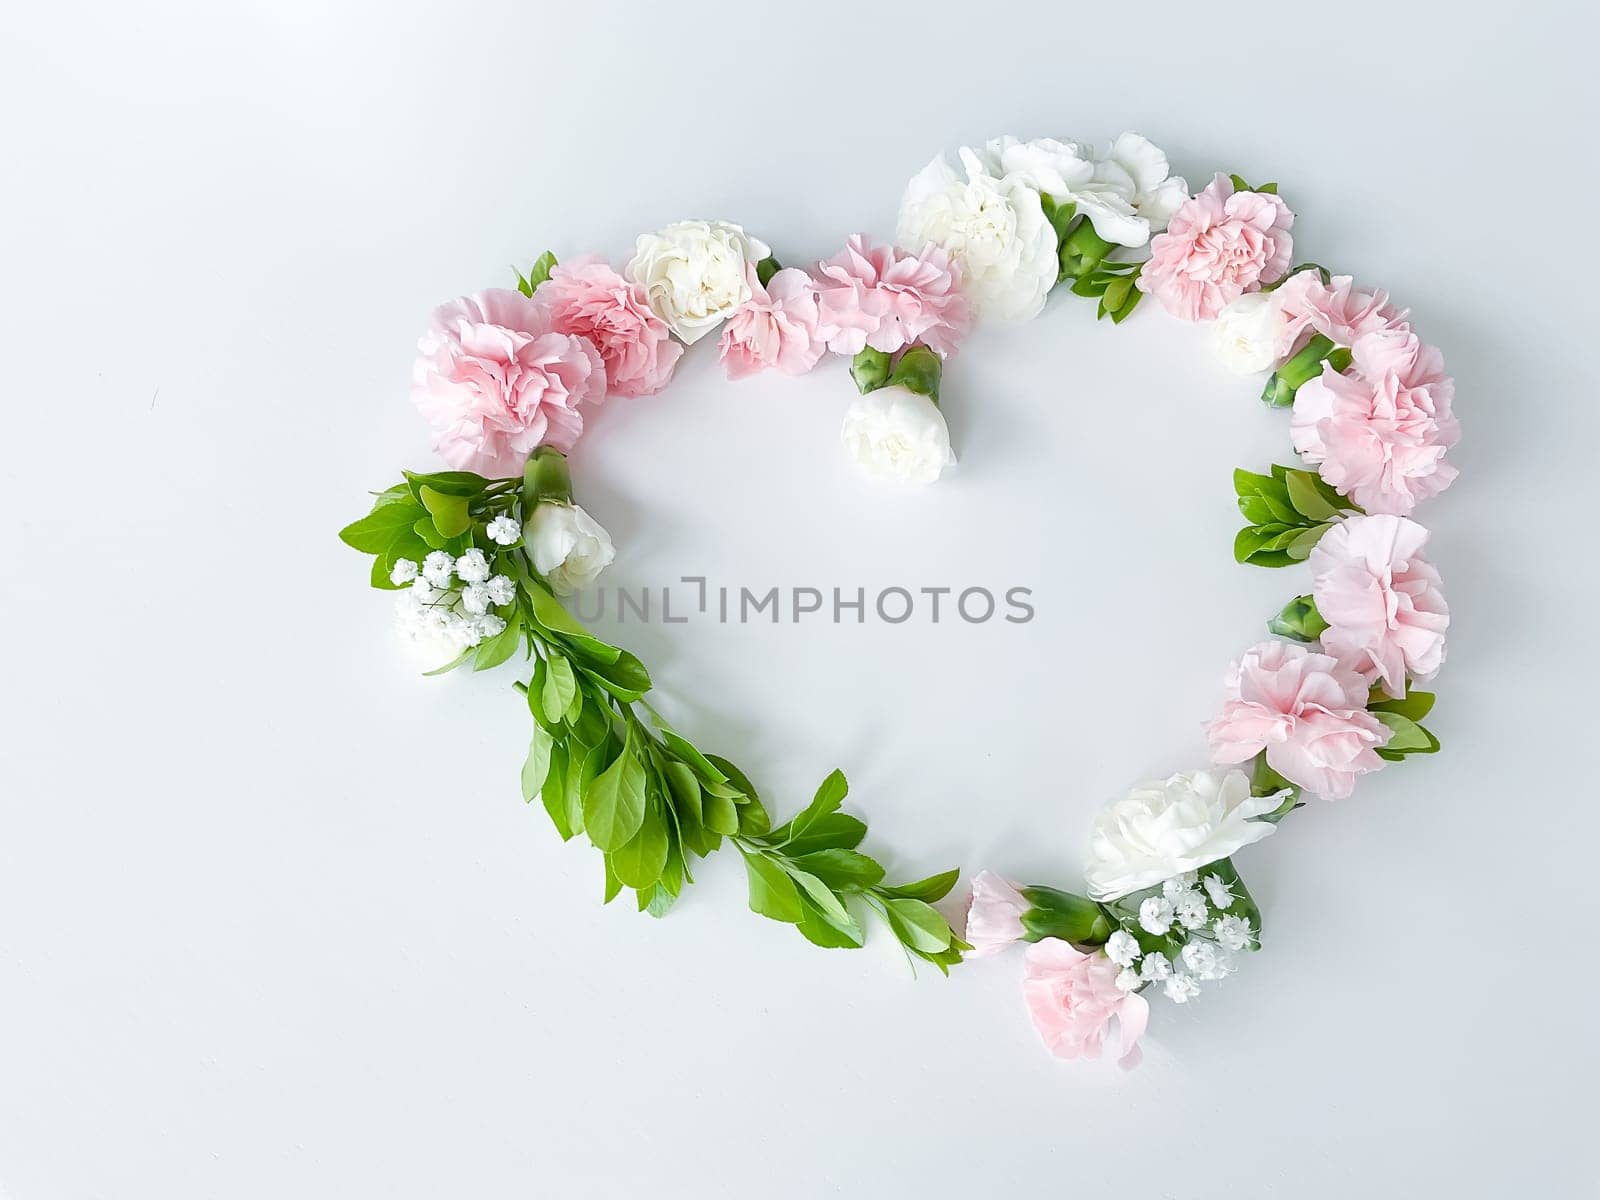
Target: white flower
{"points": [[567, 546], [475, 599], [994, 915], [403, 571], [1247, 335], [1126, 193], [1219, 891], [504, 530], [423, 592], [1177, 824], [994, 229], [1233, 932], [502, 590], [1122, 948], [1155, 915], [1128, 980], [489, 625], [693, 273], [1135, 167], [898, 435], [472, 567], [1205, 961], [1178, 885], [1191, 909], [1181, 989], [1156, 966], [429, 633], [437, 568]]}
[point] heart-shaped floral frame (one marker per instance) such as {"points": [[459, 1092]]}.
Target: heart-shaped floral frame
{"points": [[480, 553]]}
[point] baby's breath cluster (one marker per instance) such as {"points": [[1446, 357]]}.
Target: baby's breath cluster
{"points": [[446, 603], [1182, 936]]}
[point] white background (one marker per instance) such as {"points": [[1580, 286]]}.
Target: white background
{"points": [[273, 920]]}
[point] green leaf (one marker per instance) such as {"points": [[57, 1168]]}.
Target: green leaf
{"points": [[560, 686], [638, 861], [554, 794], [849, 870], [1415, 705], [772, 893], [449, 512], [613, 805], [917, 924], [821, 895], [537, 274], [821, 930], [1300, 548], [687, 752], [1307, 500], [554, 619], [828, 797], [684, 789], [721, 814], [537, 766], [934, 887], [1407, 736], [734, 776], [376, 532], [493, 651], [446, 483], [625, 678], [835, 831]]}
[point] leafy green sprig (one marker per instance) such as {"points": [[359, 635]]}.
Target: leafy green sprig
{"points": [[1085, 259], [1288, 512], [604, 764]]}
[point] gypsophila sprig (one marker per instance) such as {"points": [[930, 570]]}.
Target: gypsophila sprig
{"points": [[479, 554]]}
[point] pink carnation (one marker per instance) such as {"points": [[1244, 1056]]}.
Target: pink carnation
{"points": [[1219, 245], [1381, 598], [1337, 310], [586, 297], [776, 327], [1072, 997], [1308, 711], [1378, 433], [888, 299], [495, 382], [994, 915]]}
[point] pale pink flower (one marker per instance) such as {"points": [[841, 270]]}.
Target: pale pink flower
{"points": [[1307, 710], [777, 327], [889, 299], [586, 297], [994, 915], [1219, 245], [1381, 599], [1338, 310], [1378, 433], [496, 382], [1072, 997]]}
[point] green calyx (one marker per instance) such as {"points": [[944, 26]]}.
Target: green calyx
{"points": [[545, 480], [918, 369], [1303, 367], [1300, 621], [537, 274], [1082, 250], [1058, 914]]}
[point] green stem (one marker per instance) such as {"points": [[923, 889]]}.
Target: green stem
{"points": [[1083, 250], [918, 371], [1305, 365]]}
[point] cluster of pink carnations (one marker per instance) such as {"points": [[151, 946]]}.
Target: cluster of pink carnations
{"points": [[500, 373]]}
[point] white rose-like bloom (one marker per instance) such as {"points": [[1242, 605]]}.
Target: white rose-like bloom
{"points": [[1127, 192], [1178, 824], [898, 435], [995, 229], [694, 273], [567, 546], [1247, 336]]}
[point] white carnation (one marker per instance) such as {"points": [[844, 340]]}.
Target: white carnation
{"points": [[567, 546], [1247, 335], [1173, 825], [694, 273], [995, 229], [895, 434]]}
